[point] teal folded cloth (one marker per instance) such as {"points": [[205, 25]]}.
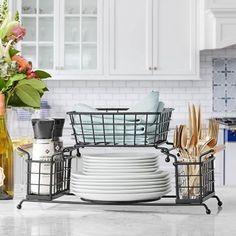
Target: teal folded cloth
{"points": [[149, 103], [128, 140], [116, 129]]}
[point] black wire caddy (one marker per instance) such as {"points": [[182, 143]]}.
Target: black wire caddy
{"points": [[116, 127]]}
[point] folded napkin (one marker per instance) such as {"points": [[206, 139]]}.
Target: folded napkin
{"points": [[116, 129], [128, 140]]}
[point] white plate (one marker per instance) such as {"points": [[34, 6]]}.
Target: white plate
{"points": [[115, 171], [116, 191], [118, 188], [143, 182], [119, 164], [135, 176], [122, 197], [121, 156], [119, 161]]}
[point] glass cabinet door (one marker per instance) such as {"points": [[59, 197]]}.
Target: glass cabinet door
{"points": [[80, 35], [61, 35], [37, 16]]}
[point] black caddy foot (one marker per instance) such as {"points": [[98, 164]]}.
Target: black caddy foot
{"points": [[208, 211], [19, 206], [219, 202]]}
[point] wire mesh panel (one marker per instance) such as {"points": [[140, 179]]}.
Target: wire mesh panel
{"points": [[48, 179], [195, 180], [118, 127]]}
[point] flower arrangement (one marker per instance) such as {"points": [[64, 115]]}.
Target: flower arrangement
{"points": [[21, 86]]}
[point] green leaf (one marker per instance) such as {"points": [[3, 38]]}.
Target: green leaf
{"points": [[45, 89], [28, 95], [35, 83], [14, 101], [14, 78], [2, 84], [42, 74], [13, 52]]}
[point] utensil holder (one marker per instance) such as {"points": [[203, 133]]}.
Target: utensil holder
{"points": [[195, 180]]}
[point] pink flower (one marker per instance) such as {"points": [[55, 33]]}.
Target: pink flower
{"points": [[31, 74], [17, 33]]}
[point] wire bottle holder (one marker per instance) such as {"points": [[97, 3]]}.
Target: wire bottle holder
{"points": [[48, 179], [116, 128]]}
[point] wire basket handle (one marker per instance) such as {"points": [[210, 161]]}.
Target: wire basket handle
{"points": [[24, 152]]}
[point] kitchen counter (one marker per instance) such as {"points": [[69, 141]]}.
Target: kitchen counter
{"points": [[53, 219]]}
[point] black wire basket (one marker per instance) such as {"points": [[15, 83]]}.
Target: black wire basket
{"points": [[195, 180], [48, 179], [120, 128]]}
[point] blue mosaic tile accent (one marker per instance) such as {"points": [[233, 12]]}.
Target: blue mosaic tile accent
{"points": [[224, 84]]}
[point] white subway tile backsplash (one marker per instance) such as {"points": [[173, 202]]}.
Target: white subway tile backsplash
{"points": [[78, 84], [68, 84], [132, 84], [145, 84], [95, 84], [106, 84], [126, 90], [120, 84]]}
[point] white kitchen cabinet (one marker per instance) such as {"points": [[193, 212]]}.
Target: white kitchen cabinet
{"points": [[130, 37], [63, 37], [220, 4], [219, 23], [157, 38]]}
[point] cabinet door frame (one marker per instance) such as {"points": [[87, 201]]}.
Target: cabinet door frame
{"points": [[112, 42]]}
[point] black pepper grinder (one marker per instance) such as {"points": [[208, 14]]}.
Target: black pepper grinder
{"points": [[57, 134]]}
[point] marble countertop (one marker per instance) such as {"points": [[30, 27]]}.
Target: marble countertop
{"points": [[43, 219]]}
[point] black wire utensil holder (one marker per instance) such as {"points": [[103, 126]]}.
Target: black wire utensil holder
{"points": [[194, 181]]}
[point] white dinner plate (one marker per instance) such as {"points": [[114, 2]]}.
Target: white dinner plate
{"points": [[121, 197], [121, 156], [118, 188], [115, 171], [116, 191], [135, 176], [119, 161], [124, 182], [119, 164]]}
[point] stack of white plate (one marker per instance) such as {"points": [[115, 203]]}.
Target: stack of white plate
{"points": [[120, 177]]}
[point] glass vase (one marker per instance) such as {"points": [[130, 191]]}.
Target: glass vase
{"points": [[6, 156]]}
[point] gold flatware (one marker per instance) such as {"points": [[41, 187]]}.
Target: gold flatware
{"points": [[199, 122], [190, 121], [175, 139]]}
